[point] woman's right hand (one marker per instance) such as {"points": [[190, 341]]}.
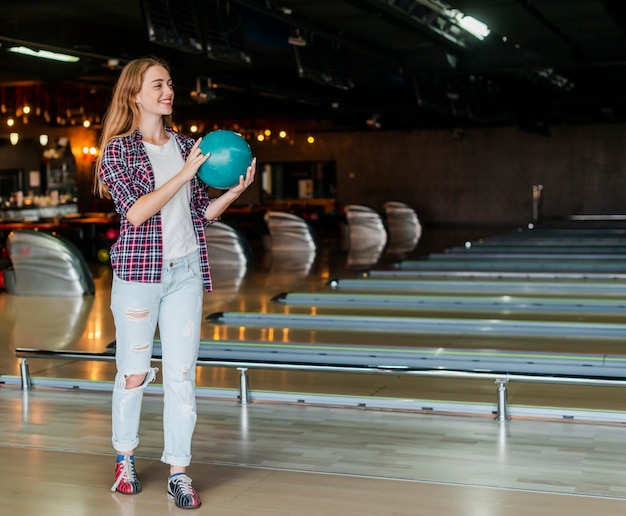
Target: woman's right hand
{"points": [[194, 161]]}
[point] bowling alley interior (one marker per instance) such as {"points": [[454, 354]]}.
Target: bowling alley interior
{"points": [[418, 306]]}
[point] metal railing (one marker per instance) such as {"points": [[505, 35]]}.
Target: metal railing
{"points": [[501, 379]]}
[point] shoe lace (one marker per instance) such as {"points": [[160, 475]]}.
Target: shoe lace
{"points": [[183, 485], [126, 474]]}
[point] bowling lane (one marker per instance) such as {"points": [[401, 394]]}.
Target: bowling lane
{"points": [[558, 232], [463, 263], [573, 308], [88, 326], [395, 283], [381, 337], [475, 274], [472, 248], [557, 250]]}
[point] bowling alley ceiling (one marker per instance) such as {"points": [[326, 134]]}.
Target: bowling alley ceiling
{"points": [[331, 64]]}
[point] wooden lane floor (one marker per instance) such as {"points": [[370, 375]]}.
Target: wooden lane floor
{"points": [[279, 459]]}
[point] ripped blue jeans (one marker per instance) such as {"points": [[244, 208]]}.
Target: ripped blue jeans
{"points": [[175, 306]]}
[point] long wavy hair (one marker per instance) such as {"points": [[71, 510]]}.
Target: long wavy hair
{"points": [[122, 115]]}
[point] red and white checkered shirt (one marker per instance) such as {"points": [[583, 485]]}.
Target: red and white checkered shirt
{"points": [[137, 255]]}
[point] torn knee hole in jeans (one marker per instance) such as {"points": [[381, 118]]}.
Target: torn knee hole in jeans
{"points": [[140, 347], [137, 315], [146, 377], [134, 383]]}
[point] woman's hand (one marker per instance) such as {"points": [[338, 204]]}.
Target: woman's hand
{"points": [[194, 161], [245, 181], [221, 203]]}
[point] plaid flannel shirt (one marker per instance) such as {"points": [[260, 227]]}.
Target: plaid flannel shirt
{"points": [[137, 255]]}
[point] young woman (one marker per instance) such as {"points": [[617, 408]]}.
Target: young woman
{"points": [[160, 265]]}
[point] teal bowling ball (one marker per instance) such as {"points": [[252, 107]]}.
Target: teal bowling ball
{"points": [[230, 157]]}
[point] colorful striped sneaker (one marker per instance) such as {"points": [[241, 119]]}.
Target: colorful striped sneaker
{"points": [[126, 481], [180, 490]]}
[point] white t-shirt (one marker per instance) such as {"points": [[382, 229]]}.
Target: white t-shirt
{"points": [[178, 235]]}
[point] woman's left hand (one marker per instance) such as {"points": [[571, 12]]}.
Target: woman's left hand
{"points": [[245, 181], [221, 203]]}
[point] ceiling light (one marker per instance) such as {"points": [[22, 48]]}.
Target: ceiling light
{"points": [[449, 22], [296, 39], [44, 54], [475, 27]]}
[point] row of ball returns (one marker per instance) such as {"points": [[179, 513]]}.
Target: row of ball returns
{"points": [[45, 264], [49, 264]]}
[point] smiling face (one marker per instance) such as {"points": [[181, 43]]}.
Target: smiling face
{"points": [[157, 94]]}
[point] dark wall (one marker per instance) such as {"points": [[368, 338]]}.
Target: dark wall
{"points": [[25, 157], [484, 177]]}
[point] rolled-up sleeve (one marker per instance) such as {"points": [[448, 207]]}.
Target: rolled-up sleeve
{"points": [[201, 200]]}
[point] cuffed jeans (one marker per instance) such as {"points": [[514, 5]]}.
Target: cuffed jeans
{"points": [[175, 305]]}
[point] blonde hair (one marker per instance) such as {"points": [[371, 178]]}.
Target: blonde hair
{"points": [[122, 115]]}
